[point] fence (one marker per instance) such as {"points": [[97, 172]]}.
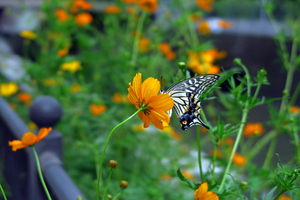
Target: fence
{"points": [[20, 167]]}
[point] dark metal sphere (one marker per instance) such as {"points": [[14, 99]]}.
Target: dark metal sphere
{"points": [[45, 111]]}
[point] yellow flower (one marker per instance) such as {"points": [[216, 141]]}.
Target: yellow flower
{"points": [[71, 66], [8, 89], [75, 88], [145, 95], [239, 160], [139, 128], [202, 194], [252, 129], [29, 139], [28, 34]]}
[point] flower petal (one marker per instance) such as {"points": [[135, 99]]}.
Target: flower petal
{"points": [[150, 87], [132, 96], [203, 187], [136, 84], [29, 139], [144, 118], [159, 119], [16, 144], [43, 133], [210, 196], [161, 102]]}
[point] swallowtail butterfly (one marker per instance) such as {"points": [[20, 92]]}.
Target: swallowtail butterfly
{"points": [[186, 96]]}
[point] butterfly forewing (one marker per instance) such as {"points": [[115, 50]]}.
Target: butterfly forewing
{"points": [[186, 96]]}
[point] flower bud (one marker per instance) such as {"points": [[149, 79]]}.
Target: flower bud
{"points": [[243, 183], [123, 184], [112, 164], [109, 196]]}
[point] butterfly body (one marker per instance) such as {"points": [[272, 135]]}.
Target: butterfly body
{"points": [[186, 96]]}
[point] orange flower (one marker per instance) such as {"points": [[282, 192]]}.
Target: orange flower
{"points": [[97, 109], [294, 109], [170, 55], [188, 175], [148, 5], [252, 129], [62, 15], [176, 136], [221, 55], [195, 17], [29, 139], [144, 45], [165, 177], [205, 4], [118, 98], [24, 97], [75, 88], [224, 24], [284, 197], [239, 160], [83, 19], [112, 10], [130, 9], [218, 153], [145, 95], [202, 194], [80, 4], [62, 52], [164, 47], [204, 28]]}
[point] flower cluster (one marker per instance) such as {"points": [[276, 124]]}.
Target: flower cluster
{"points": [[167, 51]]}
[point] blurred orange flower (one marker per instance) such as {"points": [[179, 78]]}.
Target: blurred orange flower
{"points": [[205, 4], [97, 109], [29, 139], [294, 109], [144, 45], [164, 47], [83, 19], [148, 5], [24, 97], [195, 17], [204, 28], [62, 52], [239, 160], [202, 194], [75, 88], [118, 98], [218, 153], [80, 4], [165, 177], [8, 89], [62, 15], [145, 95], [112, 10], [284, 197], [224, 24], [188, 175], [252, 129]]}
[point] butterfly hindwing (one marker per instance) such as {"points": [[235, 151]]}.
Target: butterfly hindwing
{"points": [[186, 96]]}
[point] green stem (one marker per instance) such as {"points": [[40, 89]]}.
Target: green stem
{"points": [[296, 144], [271, 151], [244, 117], [214, 165], [139, 28], [117, 195], [99, 174], [3, 193], [109, 177], [199, 154], [256, 92], [295, 95], [278, 195], [40, 173]]}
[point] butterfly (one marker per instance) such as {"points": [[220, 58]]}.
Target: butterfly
{"points": [[186, 96]]}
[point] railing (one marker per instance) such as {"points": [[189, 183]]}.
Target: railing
{"points": [[20, 167]]}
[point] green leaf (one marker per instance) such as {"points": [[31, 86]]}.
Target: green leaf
{"points": [[185, 180], [270, 194]]}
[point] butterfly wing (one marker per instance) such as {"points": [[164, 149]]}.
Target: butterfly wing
{"points": [[186, 99]]}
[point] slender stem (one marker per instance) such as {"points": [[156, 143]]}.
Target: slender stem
{"points": [[256, 92], [199, 154], [277, 196], [110, 173], [295, 95], [244, 117], [139, 28], [99, 174], [214, 165], [3, 193], [40, 172], [271, 151], [117, 195], [296, 144]]}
